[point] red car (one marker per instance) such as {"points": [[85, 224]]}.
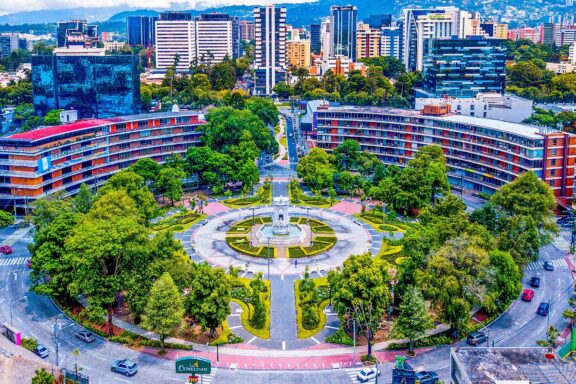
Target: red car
{"points": [[527, 295], [5, 250]]}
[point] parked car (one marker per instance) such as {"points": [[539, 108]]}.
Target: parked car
{"points": [[5, 250], [548, 266], [426, 377], [41, 351], [85, 336], [535, 282], [125, 367], [367, 374], [543, 309], [476, 338], [527, 295], [204, 222], [29, 263]]}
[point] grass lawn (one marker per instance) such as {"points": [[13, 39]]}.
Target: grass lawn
{"points": [[375, 221], [261, 198], [178, 222], [247, 309]]}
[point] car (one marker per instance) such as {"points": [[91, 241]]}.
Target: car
{"points": [[527, 295], [41, 351], [29, 263], [426, 377], [367, 374], [543, 309], [476, 338], [125, 367], [204, 222], [548, 266], [5, 250], [535, 282], [85, 336]]}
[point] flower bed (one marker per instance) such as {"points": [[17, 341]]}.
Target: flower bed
{"points": [[310, 316], [242, 245], [241, 294], [320, 244]]}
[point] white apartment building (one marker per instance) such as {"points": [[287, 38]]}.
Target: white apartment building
{"points": [[270, 51], [196, 41], [325, 38]]}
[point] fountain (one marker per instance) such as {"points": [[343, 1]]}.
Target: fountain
{"points": [[280, 220], [281, 232]]}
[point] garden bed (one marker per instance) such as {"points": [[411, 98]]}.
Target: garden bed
{"points": [[320, 244], [316, 301], [242, 295], [263, 197], [242, 245], [178, 222]]}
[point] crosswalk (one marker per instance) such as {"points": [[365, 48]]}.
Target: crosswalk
{"points": [[17, 235], [13, 261], [207, 379], [558, 263], [352, 372]]}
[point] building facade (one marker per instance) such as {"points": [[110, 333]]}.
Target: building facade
{"points": [[343, 20], [141, 30], [76, 32], [367, 41], [464, 67], [379, 21], [298, 53], [495, 30], [270, 51], [481, 154], [315, 39], [96, 86], [47, 160], [246, 30], [391, 42]]}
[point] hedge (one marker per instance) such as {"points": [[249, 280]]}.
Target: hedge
{"points": [[318, 246], [340, 337], [241, 294], [305, 332], [429, 341], [242, 245]]}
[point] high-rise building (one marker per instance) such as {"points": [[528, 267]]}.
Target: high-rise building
{"points": [[86, 80], [495, 30], [421, 25], [298, 53], [548, 33], [325, 38], [270, 52], [76, 32], [141, 30], [5, 46], [391, 42], [315, 41], [246, 30], [379, 21], [464, 67], [343, 21], [367, 41], [205, 39]]}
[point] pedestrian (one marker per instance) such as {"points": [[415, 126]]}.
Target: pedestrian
{"points": [[295, 263]]}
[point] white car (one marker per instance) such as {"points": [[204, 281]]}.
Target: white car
{"points": [[367, 374]]}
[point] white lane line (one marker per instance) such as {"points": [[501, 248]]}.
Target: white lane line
{"points": [[235, 327], [122, 380], [331, 327], [316, 341], [98, 357], [283, 345], [251, 340], [172, 378]]}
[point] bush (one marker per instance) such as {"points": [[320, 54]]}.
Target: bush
{"points": [[370, 359], [340, 337], [234, 339], [29, 343], [258, 318], [322, 229], [310, 318], [429, 341], [156, 344]]}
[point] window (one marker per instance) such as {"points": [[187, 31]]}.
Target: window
{"points": [[472, 107], [145, 133], [121, 127], [142, 123], [553, 162]]}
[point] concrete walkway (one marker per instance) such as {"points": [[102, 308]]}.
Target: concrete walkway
{"points": [[281, 149], [283, 310]]}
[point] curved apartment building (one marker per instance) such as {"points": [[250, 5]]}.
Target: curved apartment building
{"points": [[481, 154], [43, 161]]}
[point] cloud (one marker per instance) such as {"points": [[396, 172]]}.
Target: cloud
{"points": [[11, 6]]}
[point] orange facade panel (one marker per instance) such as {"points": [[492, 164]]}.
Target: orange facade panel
{"points": [[57, 173], [25, 157], [76, 167], [25, 180], [22, 169], [77, 177]]}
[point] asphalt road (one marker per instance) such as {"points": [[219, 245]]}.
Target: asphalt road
{"points": [[292, 148]]}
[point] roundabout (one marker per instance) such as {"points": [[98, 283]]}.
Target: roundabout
{"points": [[209, 242]]}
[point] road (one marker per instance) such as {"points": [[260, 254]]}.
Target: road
{"points": [[291, 138]]}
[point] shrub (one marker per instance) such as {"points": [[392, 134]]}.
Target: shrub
{"points": [[156, 344], [29, 343], [370, 359], [234, 339], [424, 342], [310, 317], [322, 229], [340, 337], [258, 318]]}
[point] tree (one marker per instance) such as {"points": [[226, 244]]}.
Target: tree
{"points": [[148, 169], [209, 297], [53, 117], [46, 209], [43, 377], [347, 154], [265, 109], [525, 74], [170, 183], [505, 281], [164, 310], [283, 90], [414, 320], [83, 200], [105, 249], [360, 292], [316, 169], [6, 219]]}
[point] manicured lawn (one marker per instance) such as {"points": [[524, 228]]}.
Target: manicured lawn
{"points": [[263, 197], [304, 333], [178, 222]]}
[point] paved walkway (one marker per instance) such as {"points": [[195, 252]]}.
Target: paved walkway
{"points": [[281, 149], [283, 310]]}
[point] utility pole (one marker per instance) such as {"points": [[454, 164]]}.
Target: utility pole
{"points": [[354, 338], [56, 336], [268, 258]]}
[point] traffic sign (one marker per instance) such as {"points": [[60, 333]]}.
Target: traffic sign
{"points": [[191, 364]]}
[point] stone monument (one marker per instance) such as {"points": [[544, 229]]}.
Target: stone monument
{"points": [[280, 220]]}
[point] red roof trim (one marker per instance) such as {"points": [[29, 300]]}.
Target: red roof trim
{"points": [[42, 133]]}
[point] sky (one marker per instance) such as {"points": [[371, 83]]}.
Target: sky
{"points": [[11, 6]]}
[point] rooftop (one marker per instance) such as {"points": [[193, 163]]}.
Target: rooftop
{"points": [[525, 130], [44, 132], [490, 365]]}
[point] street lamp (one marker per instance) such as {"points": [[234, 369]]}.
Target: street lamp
{"points": [[268, 258]]}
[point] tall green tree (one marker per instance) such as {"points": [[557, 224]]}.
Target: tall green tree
{"points": [[360, 292], [164, 310], [170, 183], [209, 297], [43, 377], [84, 199], [105, 249], [6, 219], [316, 169], [265, 109], [148, 169], [414, 320]]}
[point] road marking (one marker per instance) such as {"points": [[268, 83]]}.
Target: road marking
{"points": [[122, 380], [96, 356], [281, 277], [235, 327], [251, 340], [316, 341], [283, 345], [331, 327], [172, 378]]}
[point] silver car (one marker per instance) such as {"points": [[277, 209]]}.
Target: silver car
{"points": [[124, 366]]}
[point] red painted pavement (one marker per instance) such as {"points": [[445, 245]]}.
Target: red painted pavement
{"points": [[215, 207], [280, 363], [348, 208], [568, 258]]}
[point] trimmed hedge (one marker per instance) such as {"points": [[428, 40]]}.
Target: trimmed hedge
{"points": [[320, 244], [340, 337], [423, 342], [242, 245]]}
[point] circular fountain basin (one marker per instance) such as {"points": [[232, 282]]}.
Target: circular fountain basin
{"points": [[296, 235]]}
